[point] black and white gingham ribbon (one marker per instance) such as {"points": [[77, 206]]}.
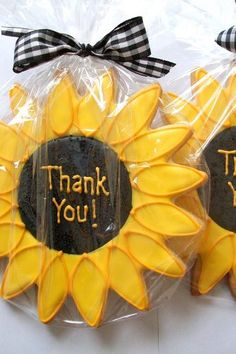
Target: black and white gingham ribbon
{"points": [[127, 44], [227, 39]]}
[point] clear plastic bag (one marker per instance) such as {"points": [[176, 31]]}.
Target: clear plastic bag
{"points": [[202, 93], [92, 196], [209, 105]]}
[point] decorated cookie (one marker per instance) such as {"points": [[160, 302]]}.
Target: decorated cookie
{"points": [[87, 196], [213, 118]]}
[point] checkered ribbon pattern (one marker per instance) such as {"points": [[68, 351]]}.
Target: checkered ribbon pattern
{"points": [[227, 39], [127, 45]]}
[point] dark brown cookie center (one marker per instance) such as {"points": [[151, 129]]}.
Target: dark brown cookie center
{"points": [[74, 194], [220, 156]]}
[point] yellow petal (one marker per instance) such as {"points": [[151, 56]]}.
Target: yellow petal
{"points": [[231, 84], [215, 264], [53, 289], [189, 149], [5, 207], [167, 219], [231, 91], [192, 203], [10, 237], [18, 98], [101, 133], [12, 218], [210, 96], [155, 144], [24, 109], [27, 241], [22, 271], [138, 112], [34, 129], [7, 183], [126, 279], [61, 106], [232, 273], [231, 88], [12, 146], [154, 255], [180, 110], [100, 258], [89, 290], [95, 105], [10, 198], [233, 270], [140, 199], [167, 179], [213, 233], [132, 226]]}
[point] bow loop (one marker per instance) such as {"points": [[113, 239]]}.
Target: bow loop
{"points": [[227, 39], [127, 45]]}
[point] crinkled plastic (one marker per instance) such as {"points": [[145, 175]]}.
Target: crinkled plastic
{"points": [[210, 107], [204, 95], [98, 212]]}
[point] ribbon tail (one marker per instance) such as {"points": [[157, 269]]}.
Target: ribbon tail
{"points": [[152, 67], [14, 31]]}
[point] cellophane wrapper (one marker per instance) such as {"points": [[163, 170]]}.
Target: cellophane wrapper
{"points": [[103, 199], [203, 94]]}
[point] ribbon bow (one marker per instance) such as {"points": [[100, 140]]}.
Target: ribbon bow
{"points": [[227, 39], [127, 45]]}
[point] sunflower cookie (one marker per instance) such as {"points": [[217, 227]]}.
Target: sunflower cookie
{"points": [[213, 110], [87, 196]]}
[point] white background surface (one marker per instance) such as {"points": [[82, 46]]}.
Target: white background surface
{"points": [[181, 31], [185, 325]]}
